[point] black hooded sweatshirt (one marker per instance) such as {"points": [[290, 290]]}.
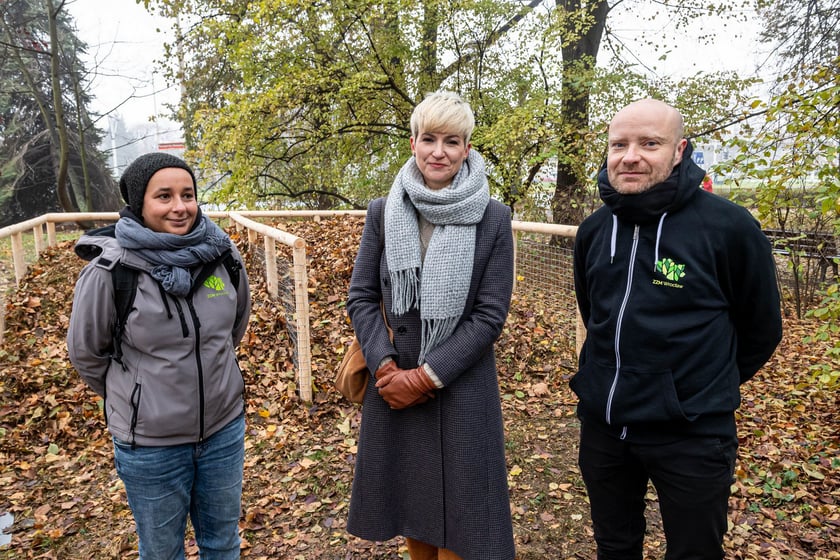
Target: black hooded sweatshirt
{"points": [[677, 290]]}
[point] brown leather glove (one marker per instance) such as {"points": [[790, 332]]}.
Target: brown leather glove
{"points": [[407, 387], [387, 371]]}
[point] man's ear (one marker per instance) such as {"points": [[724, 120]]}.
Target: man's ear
{"points": [[680, 149]]}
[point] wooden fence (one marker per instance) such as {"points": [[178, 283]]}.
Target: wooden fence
{"points": [[43, 230]]}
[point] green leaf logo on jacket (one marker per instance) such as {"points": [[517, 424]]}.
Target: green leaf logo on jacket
{"points": [[671, 270], [214, 283]]}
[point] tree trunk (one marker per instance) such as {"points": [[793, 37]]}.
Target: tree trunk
{"points": [[429, 79], [84, 189], [58, 109], [579, 57]]}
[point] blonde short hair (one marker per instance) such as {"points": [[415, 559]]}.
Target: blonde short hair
{"points": [[443, 111]]}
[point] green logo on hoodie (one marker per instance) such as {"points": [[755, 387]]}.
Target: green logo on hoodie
{"points": [[214, 283], [671, 270]]}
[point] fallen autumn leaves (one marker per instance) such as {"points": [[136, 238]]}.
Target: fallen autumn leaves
{"points": [[56, 460]]}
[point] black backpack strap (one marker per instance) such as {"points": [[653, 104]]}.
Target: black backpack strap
{"points": [[124, 280], [125, 289], [231, 264], [105, 231]]}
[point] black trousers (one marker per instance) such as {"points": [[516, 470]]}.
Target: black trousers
{"points": [[692, 477]]}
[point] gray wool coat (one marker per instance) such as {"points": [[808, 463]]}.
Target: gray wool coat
{"points": [[436, 472]]}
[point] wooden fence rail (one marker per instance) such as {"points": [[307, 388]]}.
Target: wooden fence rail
{"points": [[271, 236]]}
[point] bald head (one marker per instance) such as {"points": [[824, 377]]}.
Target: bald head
{"points": [[645, 143], [652, 109]]}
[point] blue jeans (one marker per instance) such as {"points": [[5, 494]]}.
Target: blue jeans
{"points": [[204, 480]]}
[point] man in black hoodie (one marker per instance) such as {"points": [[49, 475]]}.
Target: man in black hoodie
{"points": [[677, 289]]}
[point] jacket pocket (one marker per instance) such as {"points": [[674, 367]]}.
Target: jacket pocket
{"points": [[645, 396], [592, 384], [628, 397]]}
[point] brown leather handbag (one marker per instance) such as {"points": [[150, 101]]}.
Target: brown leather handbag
{"points": [[352, 376]]}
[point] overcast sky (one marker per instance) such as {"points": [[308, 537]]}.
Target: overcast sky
{"points": [[125, 43], [123, 47]]}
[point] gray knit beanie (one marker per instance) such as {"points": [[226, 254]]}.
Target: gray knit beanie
{"points": [[136, 177]]}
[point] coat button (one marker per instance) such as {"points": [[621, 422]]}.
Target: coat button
{"points": [[402, 330]]}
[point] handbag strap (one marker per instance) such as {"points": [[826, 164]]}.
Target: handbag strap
{"points": [[385, 318], [382, 226]]}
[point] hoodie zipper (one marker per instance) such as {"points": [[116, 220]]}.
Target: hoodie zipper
{"points": [[619, 321]]}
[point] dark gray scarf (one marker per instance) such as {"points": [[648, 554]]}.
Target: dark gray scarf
{"points": [[174, 255], [438, 284]]}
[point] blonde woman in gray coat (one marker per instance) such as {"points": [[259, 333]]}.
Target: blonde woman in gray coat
{"points": [[431, 464]]}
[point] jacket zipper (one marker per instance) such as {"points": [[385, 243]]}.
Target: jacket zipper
{"points": [[184, 328], [135, 410], [619, 321], [200, 369], [186, 331]]}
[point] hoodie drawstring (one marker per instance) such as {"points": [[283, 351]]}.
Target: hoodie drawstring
{"points": [[658, 236], [614, 235]]}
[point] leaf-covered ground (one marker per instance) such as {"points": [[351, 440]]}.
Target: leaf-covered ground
{"points": [[57, 476]]}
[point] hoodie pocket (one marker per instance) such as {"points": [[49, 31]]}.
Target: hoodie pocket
{"points": [[592, 384], [630, 396], [645, 396]]}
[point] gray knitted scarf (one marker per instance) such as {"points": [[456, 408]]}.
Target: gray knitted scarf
{"points": [[174, 255], [437, 285]]}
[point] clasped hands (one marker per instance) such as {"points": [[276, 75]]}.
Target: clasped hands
{"points": [[402, 388]]}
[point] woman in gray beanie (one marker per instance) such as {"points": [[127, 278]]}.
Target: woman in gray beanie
{"points": [[431, 458], [167, 370]]}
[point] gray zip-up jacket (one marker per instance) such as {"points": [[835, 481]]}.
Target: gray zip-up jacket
{"points": [[178, 381]]}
